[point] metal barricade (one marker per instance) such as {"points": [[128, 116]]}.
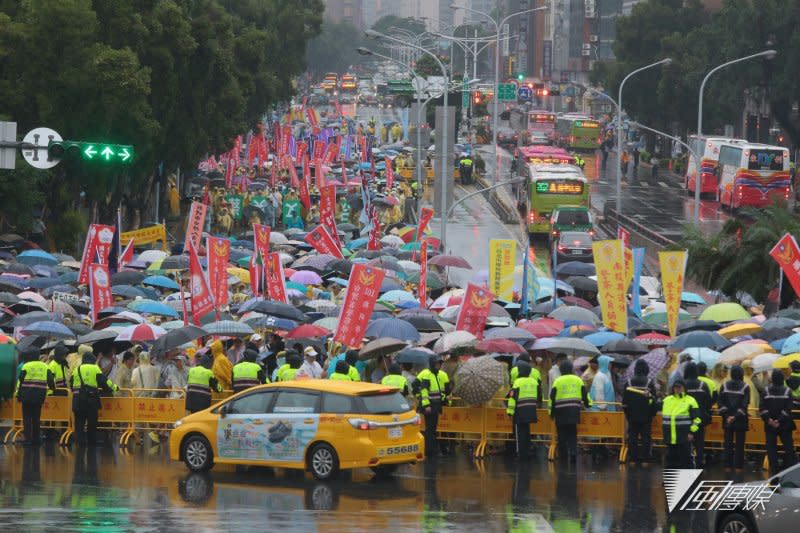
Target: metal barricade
{"points": [[461, 423], [116, 414], [56, 414]]}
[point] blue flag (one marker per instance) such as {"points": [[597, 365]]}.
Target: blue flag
{"points": [[530, 286]]}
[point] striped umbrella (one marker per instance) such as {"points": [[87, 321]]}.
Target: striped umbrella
{"points": [[228, 328]]}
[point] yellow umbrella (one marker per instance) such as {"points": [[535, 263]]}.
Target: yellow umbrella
{"points": [[743, 351], [739, 330], [242, 274], [784, 361]]}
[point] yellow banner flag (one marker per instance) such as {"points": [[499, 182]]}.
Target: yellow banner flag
{"points": [[146, 236], [628, 267], [502, 257], [609, 262], [673, 267]]}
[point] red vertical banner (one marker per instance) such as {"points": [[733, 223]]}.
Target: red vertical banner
{"points": [[787, 254], [276, 285], [194, 226], [261, 235], [95, 249], [305, 196], [302, 150], [255, 275], [293, 174], [286, 133], [389, 173], [624, 236], [99, 288], [362, 293], [312, 118], [202, 301], [322, 242], [362, 141], [374, 242], [327, 211], [237, 149], [331, 152], [425, 216], [474, 310], [218, 253], [422, 286], [319, 149]]}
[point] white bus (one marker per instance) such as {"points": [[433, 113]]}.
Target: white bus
{"points": [[753, 175], [709, 155]]}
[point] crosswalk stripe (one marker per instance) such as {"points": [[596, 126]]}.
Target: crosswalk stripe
{"points": [[663, 184]]}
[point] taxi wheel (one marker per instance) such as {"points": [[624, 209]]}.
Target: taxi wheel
{"points": [[197, 454], [735, 523], [323, 462]]}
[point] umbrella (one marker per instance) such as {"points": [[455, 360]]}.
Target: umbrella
{"points": [[97, 336], [423, 323], [704, 355], [18, 268], [575, 268], [773, 334], [543, 327], [739, 330], [151, 256], [697, 325], [127, 277], [42, 283], [8, 298], [380, 347], [656, 360], [574, 313], [342, 266], [46, 271], [58, 306], [415, 355], [455, 340], [306, 277], [31, 341], [177, 337], [574, 347], [394, 328], [741, 352], [307, 331], [692, 298], [778, 322], [781, 363], [318, 262], [276, 237], [140, 333], [34, 316], [580, 302], [31, 296], [479, 379], [724, 312], [656, 313], [653, 339], [48, 329], [152, 307], [699, 339], [764, 361], [433, 280], [278, 309], [228, 328], [127, 291], [398, 296], [36, 257], [500, 346], [790, 345], [161, 281], [514, 334], [582, 283], [271, 322], [453, 261], [174, 262], [450, 298], [622, 346]]}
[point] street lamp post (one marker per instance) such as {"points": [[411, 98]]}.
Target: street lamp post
{"points": [[445, 162], [666, 61], [769, 54], [495, 109]]}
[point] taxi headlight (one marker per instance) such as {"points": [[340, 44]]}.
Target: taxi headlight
{"points": [[177, 424]]}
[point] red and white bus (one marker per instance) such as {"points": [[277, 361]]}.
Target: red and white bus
{"points": [[541, 126], [753, 175], [709, 155], [544, 155]]}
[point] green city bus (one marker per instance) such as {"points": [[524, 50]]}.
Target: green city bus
{"points": [[550, 187], [575, 132]]}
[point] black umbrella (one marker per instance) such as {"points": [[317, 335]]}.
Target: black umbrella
{"points": [[8, 298], [380, 347], [35, 316], [697, 325], [700, 339], [11, 286], [774, 334], [416, 312], [779, 322], [96, 336], [127, 277], [342, 266], [18, 268], [624, 346], [415, 355], [175, 262], [648, 328], [42, 283], [177, 337], [278, 309], [424, 323], [581, 283], [31, 342], [79, 328]]}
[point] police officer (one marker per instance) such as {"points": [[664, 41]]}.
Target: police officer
{"points": [[199, 385], [734, 399], [288, 371], [794, 387], [352, 358], [638, 403], [524, 359], [702, 370], [341, 372], [680, 420], [34, 380], [60, 369], [247, 373], [698, 390], [433, 385], [776, 412], [523, 400], [87, 380], [465, 169], [567, 395], [395, 379]]}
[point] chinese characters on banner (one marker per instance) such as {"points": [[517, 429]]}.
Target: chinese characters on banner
{"points": [[474, 310], [327, 211], [787, 254], [389, 174], [425, 216], [673, 266], [322, 242], [146, 235], [374, 242], [218, 251], [194, 228], [276, 286], [609, 260], [422, 287], [261, 235], [305, 196], [624, 235], [202, 302], [502, 257], [362, 293], [95, 249], [99, 288]]}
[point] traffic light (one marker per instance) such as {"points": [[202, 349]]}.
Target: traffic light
{"points": [[520, 76], [555, 92], [545, 92], [89, 151], [476, 99]]}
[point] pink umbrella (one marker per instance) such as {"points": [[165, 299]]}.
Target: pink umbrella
{"points": [[306, 277], [141, 333], [450, 261]]}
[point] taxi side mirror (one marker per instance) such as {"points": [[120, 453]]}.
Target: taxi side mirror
{"points": [[224, 410]]}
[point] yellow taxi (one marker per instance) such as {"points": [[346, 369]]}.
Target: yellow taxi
{"points": [[318, 425]]}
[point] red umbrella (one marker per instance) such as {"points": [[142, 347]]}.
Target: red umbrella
{"points": [[653, 339], [307, 331], [500, 346], [543, 327], [574, 300], [450, 261]]}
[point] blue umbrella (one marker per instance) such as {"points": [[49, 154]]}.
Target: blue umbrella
{"points": [[394, 328], [48, 292], [48, 328], [778, 344], [388, 285], [358, 243], [152, 307], [42, 283], [272, 322], [127, 291], [45, 271], [69, 277], [705, 355], [36, 257], [699, 339], [600, 338], [575, 268], [415, 355], [791, 345], [407, 305], [692, 298], [161, 281]]}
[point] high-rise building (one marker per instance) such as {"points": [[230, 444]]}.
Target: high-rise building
{"points": [[345, 11]]}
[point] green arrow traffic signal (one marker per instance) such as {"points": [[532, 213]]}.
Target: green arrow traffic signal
{"points": [[89, 151], [107, 152]]}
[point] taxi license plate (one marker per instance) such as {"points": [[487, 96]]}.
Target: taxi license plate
{"points": [[395, 433], [577, 252]]}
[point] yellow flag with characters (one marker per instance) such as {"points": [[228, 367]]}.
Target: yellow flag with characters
{"points": [[502, 256], [612, 284], [673, 267]]}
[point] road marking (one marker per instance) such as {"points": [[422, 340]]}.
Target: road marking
{"points": [[663, 184], [500, 222]]}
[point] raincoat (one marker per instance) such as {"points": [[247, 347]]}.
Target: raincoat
{"points": [[222, 367], [602, 386]]}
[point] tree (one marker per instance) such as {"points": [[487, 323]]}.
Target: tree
{"points": [[427, 66], [389, 22]]}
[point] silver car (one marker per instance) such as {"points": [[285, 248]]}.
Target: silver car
{"points": [[781, 513]]}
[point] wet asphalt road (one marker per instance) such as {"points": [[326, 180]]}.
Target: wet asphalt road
{"points": [[110, 490]]}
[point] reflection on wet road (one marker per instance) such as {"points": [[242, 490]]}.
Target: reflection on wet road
{"points": [[110, 490]]}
